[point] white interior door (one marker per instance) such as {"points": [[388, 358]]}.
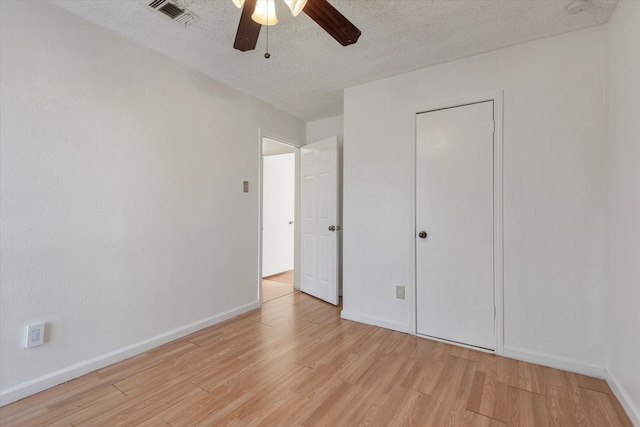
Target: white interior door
{"points": [[278, 211], [454, 208], [319, 215]]}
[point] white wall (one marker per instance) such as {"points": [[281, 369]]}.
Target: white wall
{"points": [[278, 212], [325, 128], [123, 220], [554, 193], [623, 284]]}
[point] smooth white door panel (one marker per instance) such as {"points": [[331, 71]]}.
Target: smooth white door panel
{"points": [[454, 206], [278, 211]]}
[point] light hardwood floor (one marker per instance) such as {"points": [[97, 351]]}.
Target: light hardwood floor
{"points": [[284, 277], [295, 362], [277, 286]]}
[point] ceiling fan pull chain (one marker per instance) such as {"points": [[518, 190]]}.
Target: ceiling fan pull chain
{"points": [[267, 55]]}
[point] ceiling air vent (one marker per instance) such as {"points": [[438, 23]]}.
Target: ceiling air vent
{"points": [[173, 11]]}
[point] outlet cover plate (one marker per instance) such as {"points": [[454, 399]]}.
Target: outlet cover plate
{"points": [[35, 335], [400, 292]]}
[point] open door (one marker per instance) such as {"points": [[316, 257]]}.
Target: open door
{"points": [[319, 229]]}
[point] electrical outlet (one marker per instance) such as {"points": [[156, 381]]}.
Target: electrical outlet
{"points": [[400, 291], [35, 335], [245, 186]]}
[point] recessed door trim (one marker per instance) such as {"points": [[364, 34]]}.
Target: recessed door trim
{"points": [[498, 266]]}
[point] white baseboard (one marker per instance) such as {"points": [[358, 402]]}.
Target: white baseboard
{"points": [[362, 318], [554, 361], [60, 376], [625, 400]]}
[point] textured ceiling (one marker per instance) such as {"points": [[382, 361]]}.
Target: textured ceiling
{"points": [[308, 69]]}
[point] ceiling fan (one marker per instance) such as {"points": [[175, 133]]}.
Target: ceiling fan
{"points": [[256, 13]]}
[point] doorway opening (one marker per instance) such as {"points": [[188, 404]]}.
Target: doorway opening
{"points": [[278, 219]]}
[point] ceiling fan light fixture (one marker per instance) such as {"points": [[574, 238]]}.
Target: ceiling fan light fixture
{"points": [[265, 13], [238, 3], [296, 6]]}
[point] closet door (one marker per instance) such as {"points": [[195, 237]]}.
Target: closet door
{"points": [[454, 224]]}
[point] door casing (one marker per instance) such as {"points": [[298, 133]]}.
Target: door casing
{"points": [[498, 255]]}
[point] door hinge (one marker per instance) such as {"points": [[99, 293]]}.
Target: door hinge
{"points": [[493, 126]]}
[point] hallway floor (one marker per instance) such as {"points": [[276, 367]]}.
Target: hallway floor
{"points": [[277, 286]]}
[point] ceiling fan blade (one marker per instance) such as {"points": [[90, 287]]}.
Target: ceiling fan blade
{"points": [[332, 21], [248, 29]]}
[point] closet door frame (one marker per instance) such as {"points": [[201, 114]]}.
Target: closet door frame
{"points": [[498, 185]]}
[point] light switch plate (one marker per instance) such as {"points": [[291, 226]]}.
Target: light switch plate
{"points": [[35, 335]]}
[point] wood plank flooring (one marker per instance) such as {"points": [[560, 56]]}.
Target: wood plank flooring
{"points": [[295, 362], [284, 277], [277, 286]]}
